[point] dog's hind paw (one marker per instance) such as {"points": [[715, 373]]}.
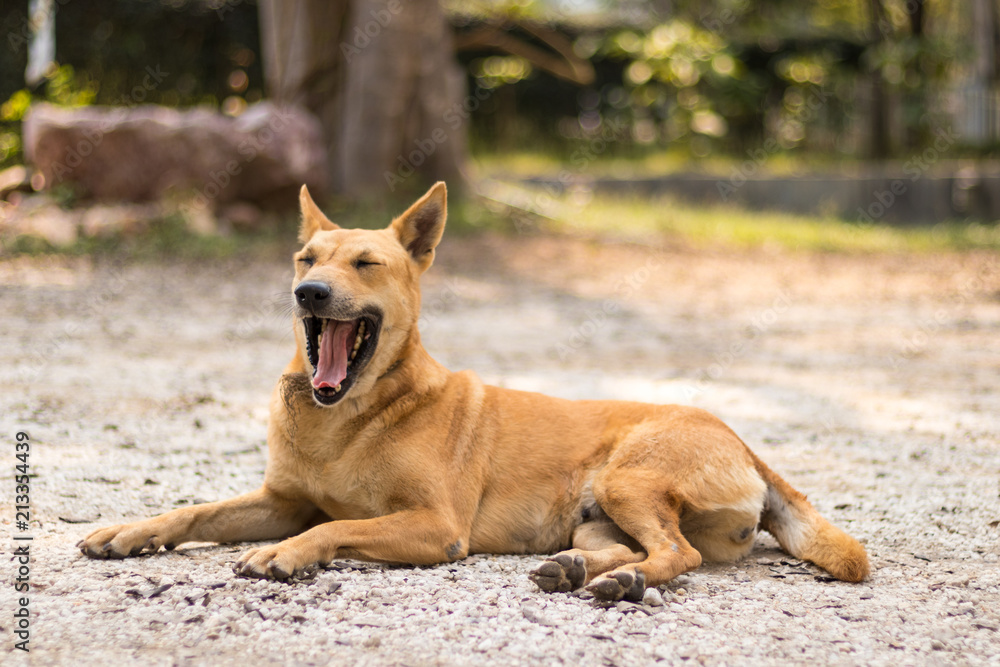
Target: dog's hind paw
{"points": [[619, 585], [562, 573]]}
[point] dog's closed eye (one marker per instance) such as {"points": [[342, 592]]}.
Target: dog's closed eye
{"points": [[308, 261], [365, 263]]}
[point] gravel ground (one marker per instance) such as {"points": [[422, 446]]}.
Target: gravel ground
{"points": [[869, 382]]}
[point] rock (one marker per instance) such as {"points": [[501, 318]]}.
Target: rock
{"points": [[535, 616], [242, 216], [652, 598], [149, 592], [200, 219], [701, 620], [625, 607], [39, 216], [144, 153], [13, 179], [371, 622], [108, 220], [80, 519]]}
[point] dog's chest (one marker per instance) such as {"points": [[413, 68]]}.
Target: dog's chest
{"points": [[341, 482], [314, 467], [337, 488]]}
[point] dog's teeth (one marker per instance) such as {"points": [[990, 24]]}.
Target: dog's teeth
{"points": [[337, 388], [359, 338], [353, 354]]}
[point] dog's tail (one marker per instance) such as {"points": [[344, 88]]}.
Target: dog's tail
{"points": [[802, 532]]}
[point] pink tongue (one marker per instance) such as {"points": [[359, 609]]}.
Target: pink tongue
{"points": [[334, 349]]}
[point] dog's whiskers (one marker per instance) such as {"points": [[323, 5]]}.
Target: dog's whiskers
{"points": [[282, 304]]}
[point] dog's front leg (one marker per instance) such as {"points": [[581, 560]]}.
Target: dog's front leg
{"points": [[258, 515], [418, 537]]}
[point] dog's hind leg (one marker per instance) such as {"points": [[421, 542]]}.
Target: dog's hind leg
{"points": [[637, 503], [598, 546]]}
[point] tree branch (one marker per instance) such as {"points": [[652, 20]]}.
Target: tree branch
{"points": [[564, 64]]}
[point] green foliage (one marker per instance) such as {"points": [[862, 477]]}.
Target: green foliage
{"points": [[684, 84], [817, 93], [63, 86], [11, 113], [725, 76], [916, 68], [15, 108], [730, 226], [67, 88], [496, 71]]}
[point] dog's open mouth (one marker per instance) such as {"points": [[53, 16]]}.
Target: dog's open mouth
{"points": [[338, 351]]}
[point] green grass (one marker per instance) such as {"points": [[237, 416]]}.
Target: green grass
{"points": [[646, 164], [721, 225]]}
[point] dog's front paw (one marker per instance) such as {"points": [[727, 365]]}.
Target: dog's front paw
{"points": [[278, 561], [619, 584], [122, 541], [561, 573]]}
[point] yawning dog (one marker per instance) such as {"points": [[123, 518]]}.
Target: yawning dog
{"points": [[377, 452]]}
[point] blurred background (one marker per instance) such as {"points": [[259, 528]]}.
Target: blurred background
{"points": [[833, 117]]}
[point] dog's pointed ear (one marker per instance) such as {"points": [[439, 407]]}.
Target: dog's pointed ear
{"points": [[313, 219], [419, 229]]}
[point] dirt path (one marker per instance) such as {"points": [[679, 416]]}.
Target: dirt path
{"points": [[869, 382]]}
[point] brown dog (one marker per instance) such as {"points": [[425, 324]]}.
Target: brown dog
{"points": [[377, 452]]}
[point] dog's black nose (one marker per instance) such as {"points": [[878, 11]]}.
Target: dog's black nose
{"points": [[312, 294]]}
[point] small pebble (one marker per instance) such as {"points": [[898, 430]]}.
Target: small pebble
{"points": [[652, 598]]}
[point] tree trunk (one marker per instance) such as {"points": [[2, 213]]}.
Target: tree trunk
{"points": [[880, 146], [918, 126], [382, 78]]}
